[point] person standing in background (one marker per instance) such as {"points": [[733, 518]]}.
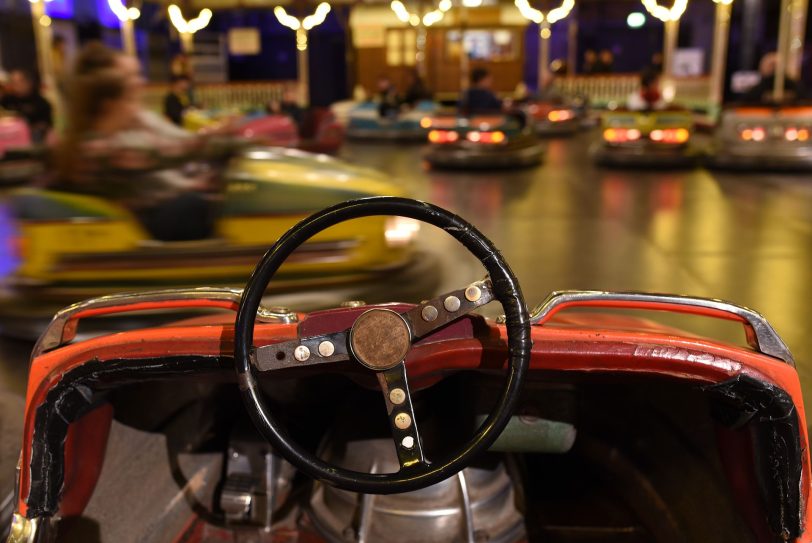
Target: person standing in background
{"points": [[656, 63], [590, 61], [181, 66], [23, 98], [606, 62]]}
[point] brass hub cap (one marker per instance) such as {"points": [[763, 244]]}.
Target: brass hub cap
{"points": [[380, 339]]}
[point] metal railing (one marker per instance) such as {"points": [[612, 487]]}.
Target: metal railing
{"points": [[604, 90], [239, 96]]}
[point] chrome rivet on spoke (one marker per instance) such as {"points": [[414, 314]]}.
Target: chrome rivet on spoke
{"points": [[326, 348], [473, 293], [407, 442], [301, 353], [397, 396], [403, 421], [429, 313], [452, 304]]}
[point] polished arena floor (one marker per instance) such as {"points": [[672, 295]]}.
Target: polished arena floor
{"points": [[743, 237]]}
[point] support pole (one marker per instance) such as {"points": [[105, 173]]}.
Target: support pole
{"points": [[721, 33], [572, 45], [669, 47], [128, 37], [303, 68], [544, 54], [783, 50], [464, 64], [43, 38], [420, 54], [187, 42], [797, 27]]}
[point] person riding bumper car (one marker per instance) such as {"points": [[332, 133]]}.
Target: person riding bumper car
{"points": [[493, 141], [408, 422], [367, 123], [70, 246], [646, 139], [764, 138], [316, 130]]}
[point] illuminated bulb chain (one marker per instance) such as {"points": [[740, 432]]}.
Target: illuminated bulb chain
{"points": [[430, 18], [192, 25], [309, 22], [123, 12], [538, 17], [668, 14]]}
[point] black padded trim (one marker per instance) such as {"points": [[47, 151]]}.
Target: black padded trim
{"points": [[770, 415], [77, 391]]}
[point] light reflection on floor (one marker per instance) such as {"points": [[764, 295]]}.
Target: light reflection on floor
{"points": [[746, 238]]}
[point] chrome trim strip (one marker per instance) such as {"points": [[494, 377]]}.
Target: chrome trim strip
{"points": [[764, 337], [467, 509], [25, 530], [54, 335]]}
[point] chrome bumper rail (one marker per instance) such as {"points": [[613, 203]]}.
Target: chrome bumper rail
{"points": [[62, 327], [760, 333]]}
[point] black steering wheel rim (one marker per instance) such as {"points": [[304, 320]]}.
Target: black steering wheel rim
{"points": [[506, 290]]}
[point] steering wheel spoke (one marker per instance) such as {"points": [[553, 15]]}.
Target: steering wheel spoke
{"points": [[302, 352], [400, 411], [433, 314]]}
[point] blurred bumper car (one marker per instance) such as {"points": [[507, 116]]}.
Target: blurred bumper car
{"points": [[71, 246], [764, 138], [646, 139], [318, 130], [20, 160], [503, 141], [366, 123], [553, 118]]}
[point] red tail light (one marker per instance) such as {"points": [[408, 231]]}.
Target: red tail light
{"points": [[443, 136], [753, 134], [621, 135], [495, 137], [796, 134], [558, 115], [670, 135]]}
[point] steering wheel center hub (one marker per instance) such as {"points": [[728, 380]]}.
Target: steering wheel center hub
{"points": [[380, 339]]}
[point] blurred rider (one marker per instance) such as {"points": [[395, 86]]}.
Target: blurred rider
{"points": [[96, 57], [387, 97], [108, 150], [763, 90], [176, 101], [23, 98], [416, 90], [479, 97], [649, 97]]}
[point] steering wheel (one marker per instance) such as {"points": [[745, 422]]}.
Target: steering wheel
{"points": [[380, 339]]}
